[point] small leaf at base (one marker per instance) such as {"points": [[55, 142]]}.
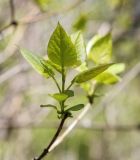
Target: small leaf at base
{"points": [[76, 107]]}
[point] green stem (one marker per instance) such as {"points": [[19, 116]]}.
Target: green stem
{"points": [[63, 87], [46, 150], [70, 85], [63, 80], [56, 84]]}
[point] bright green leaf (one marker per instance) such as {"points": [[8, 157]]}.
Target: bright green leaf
{"points": [[61, 50], [55, 66], [78, 41], [35, 62], [100, 49], [60, 96], [107, 78], [82, 67], [47, 67], [90, 73], [116, 68], [76, 107]]}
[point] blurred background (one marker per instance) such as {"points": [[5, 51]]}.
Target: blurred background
{"points": [[110, 130]]}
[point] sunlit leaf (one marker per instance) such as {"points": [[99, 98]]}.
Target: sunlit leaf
{"points": [[35, 62], [100, 49], [61, 50], [90, 73], [107, 78], [47, 67], [55, 66], [59, 96], [78, 41], [117, 68]]}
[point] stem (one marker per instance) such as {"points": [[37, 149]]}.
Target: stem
{"points": [[63, 87], [46, 150], [12, 7], [63, 79], [56, 83], [70, 85]]}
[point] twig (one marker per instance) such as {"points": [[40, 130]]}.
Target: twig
{"points": [[13, 22], [69, 129], [12, 8], [5, 27], [11, 48], [46, 150], [42, 16]]}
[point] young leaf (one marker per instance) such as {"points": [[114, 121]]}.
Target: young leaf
{"points": [[107, 78], [116, 68], [60, 96], [35, 62], [100, 49], [70, 93], [78, 41], [90, 73], [47, 67], [49, 105], [61, 50], [76, 107], [55, 66]]}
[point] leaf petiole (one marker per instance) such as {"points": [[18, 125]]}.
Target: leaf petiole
{"points": [[57, 84]]}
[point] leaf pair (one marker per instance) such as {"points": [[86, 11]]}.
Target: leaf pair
{"points": [[37, 62], [73, 108]]}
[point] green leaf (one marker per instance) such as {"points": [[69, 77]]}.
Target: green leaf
{"points": [[116, 68], [107, 78], [70, 93], [90, 73], [100, 49], [60, 96], [61, 50], [49, 105], [86, 86], [47, 67], [76, 107], [35, 62], [82, 67], [55, 66], [78, 41]]}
